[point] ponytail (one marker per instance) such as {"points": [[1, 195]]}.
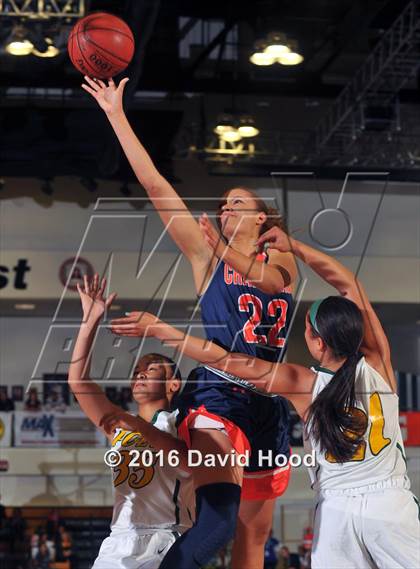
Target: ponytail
{"points": [[333, 420], [336, 429]]}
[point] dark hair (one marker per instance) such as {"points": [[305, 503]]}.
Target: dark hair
{"points": [[336, 429], [274, 219]]}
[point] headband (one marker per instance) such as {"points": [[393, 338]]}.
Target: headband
{"points": [[313, 311]]}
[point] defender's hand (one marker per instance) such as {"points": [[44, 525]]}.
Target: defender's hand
{"points": [[92, 298], [275, 238], [136, 324]]}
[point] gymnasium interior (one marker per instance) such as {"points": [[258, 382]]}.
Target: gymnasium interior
{"points": [[333, 142]]}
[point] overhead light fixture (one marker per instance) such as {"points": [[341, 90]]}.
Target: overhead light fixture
{"points": [[292, 57], [276, 49], [260, 56], [51, 50], [18, 43], [231, 136], [224, 124], [24, 306], [247, 127], [277, 44]]}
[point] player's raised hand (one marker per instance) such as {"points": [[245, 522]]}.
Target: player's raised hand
{"points": [[275, 238], [118, 419], [92, 298], [109, 97], [212, 237], [135, 324]]}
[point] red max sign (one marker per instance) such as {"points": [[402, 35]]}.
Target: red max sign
{"points": [[410, 427]]}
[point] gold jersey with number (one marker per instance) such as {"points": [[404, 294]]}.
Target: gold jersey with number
{"points": [[380, 457], [154, 494]]}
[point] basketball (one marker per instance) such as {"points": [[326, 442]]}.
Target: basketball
{"points": [[101, 45]]}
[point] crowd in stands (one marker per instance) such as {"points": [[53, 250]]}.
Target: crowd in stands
{"points": [[56, 400], [278, 556], [48, 546], [51, 543]]}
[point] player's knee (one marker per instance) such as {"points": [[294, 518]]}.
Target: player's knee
{"points": [[256, 532], [217, 513]]}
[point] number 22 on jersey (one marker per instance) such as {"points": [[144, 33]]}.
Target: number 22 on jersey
{"points": [[277, 308]]}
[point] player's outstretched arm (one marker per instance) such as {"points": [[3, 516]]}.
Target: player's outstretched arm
{"points": [[272, 277], [375, 344], [89, 394], [291, 381], [174, 213], [158, 439]]}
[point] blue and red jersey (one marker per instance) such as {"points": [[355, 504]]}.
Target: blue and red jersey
{"points": [[241, 318]]}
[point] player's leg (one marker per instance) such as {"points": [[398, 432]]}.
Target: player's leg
{"points": [[252, 532], [261, 485], [218, 491], [392, 529]]}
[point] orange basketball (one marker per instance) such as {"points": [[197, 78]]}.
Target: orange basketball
{"points": [[101, 45]]}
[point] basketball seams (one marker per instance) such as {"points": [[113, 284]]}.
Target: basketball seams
{"points": [[128, 34], [81, 58], [106, 51], [83, 55], [111, 30]]}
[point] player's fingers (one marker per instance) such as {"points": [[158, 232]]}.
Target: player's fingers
{"points": [[100, 83], [102, 287], [110, 299], [92, 84], [86, 283], [89, 90], [124, 332], [123, 321], [124, 327], [122, 84], [95, 282], [269, 235]]}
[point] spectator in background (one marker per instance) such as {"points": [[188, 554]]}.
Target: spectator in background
{"points": [[42, 559], [4, 526], [53, 522], [306, 548], [2, 513], [55, 401], [17, 528], [63, 544], [6, 404], [288, 560], [32, 402], [43, 541], [271, 550]]}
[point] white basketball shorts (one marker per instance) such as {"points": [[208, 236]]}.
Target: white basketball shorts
{"points": [[134, 549], [379, 530]]}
